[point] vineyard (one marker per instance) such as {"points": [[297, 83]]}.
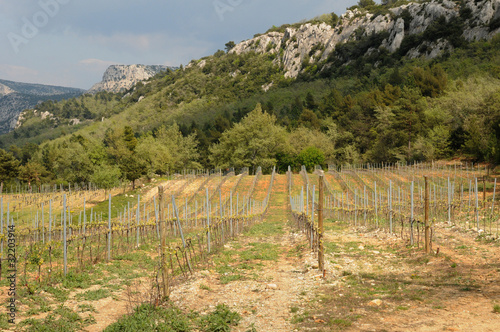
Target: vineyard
{"points": [[392, 198], [78, 246]]}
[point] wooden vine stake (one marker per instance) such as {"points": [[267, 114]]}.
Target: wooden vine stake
{"points": [[321, 254], [426, 217], [163, 236]]}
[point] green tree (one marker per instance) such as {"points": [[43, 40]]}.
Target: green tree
{"points": [[129, 138], [253, 142], [106, 177], [431, 81], [334, 19], [230, 45], [32, 172], [310, 157], [9, 166], [309, 119], [133, 168], [366, 3]]}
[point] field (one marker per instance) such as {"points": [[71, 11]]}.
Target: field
{"points": [[237, 254]]}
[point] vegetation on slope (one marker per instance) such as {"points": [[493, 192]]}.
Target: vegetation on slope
{"points": [[357, 106]]}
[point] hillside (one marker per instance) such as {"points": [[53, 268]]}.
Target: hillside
{"points": [[399, 82], [16, 97]]}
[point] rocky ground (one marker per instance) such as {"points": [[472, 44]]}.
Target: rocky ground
{"points": [[373, 280]]}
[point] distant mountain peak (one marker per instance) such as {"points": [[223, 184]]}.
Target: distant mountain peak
{"points": [[119, 78]]}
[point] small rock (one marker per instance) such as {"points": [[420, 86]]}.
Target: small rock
{"points": [[272, 286], [375, 303], [376, 252]]}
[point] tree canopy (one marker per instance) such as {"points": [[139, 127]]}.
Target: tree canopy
{"points": [[253, 142]]}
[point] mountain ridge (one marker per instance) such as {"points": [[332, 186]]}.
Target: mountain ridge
{"points": [[17, 96], [359, 103], [315, 43]]}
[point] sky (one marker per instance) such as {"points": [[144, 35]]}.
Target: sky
{"points": [[72, 42]]}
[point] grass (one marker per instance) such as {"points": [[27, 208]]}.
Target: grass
{"points": [[60, 295], [94, 295], [170, 318], [496, 309], [205, 287], [260, 251], [297, 251], [225, 279], [62, 319], [265, 229], [340, 322], [86, 308]]}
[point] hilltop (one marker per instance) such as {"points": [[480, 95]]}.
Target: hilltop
{"points": [[119, 78]]}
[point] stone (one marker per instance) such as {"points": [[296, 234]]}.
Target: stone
{"points": [[375, 303], [118, 78]]}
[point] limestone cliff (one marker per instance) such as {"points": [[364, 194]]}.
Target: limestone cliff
{"points": [[310, 43], [119, 78]]}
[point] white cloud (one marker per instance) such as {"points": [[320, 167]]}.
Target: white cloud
{"points": [[96, 65], [96, 62], [19, 73]]}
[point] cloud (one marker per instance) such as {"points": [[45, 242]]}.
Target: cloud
{"points": [[96, 65], [96, 62], [127, 41], [85, 37], [18, 73]]}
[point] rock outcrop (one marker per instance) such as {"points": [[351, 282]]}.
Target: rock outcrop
{"points": [[119, 78], [312, 43]]}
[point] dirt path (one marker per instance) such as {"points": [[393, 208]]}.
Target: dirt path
{"points": [[373, 281], [376, 283], [262, 275]]}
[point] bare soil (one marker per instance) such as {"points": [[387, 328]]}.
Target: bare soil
{"points": [[374, 281]]}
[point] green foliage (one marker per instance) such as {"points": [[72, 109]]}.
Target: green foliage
{"points": [[220, 320], [310, 157], [9, 166], [77, 280], [171, 319], [4, 321], [230, 45], [366, 3], [431, 81], [94, 295], [149, 318], [361, 104], [253, 142], [62, 319], [106, 176]]}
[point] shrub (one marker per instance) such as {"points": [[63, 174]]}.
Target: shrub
{"points": [[310, 157]]}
